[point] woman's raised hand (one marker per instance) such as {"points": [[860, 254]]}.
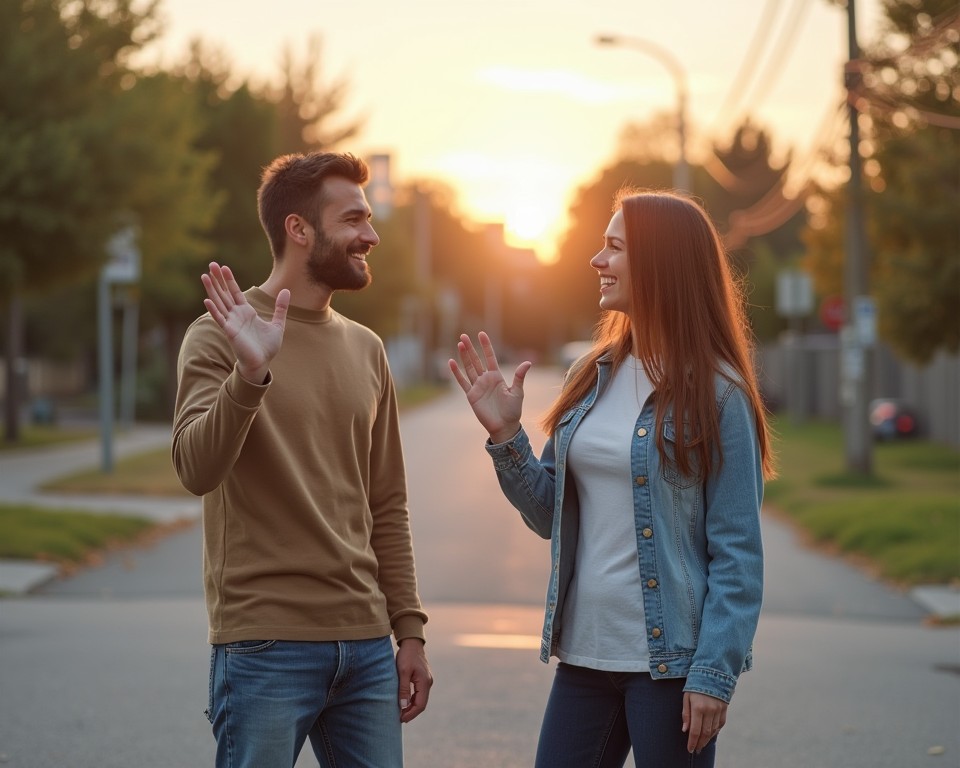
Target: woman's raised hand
{"points": [[496, 406]]}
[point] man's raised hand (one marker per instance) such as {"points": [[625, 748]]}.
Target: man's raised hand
{"points": [[255, 341]]}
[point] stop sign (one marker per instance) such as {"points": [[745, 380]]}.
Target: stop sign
{"points": [[832, 312]]}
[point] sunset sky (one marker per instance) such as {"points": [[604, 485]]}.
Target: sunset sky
{"points": [[513, 104]]}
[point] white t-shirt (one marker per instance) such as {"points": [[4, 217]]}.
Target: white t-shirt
{"points": [[603, 620]]}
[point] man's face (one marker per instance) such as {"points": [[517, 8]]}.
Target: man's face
{"points": [[338, 258]]}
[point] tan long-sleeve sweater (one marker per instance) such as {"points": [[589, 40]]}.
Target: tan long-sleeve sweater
{"points": [[305, 519]]}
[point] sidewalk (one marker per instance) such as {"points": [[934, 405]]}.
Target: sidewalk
{"points": [[23, 472]]}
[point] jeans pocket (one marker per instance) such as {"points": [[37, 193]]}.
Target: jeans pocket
{"points": [[248, 646]]}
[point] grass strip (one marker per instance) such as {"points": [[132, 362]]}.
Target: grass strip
{"points": [[63, 536], [903, 519]]}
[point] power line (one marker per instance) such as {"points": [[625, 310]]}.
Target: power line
{"points": [[747, 69], [774, 68], [788, 195], [722, 174], [780, 202]]}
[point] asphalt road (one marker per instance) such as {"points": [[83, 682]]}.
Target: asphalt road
{"points": [[109, 668]]}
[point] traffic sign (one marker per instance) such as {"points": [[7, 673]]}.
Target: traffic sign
{"points": [[832, 312]]}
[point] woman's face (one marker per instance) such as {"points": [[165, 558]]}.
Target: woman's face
{"points": [[613, 266]]}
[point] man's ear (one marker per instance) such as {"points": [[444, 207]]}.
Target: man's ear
{"points": [[297, 228]]}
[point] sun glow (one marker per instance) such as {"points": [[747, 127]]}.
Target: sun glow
{"points": [[526, 193], [530, 222]]}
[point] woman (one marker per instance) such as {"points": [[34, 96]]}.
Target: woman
{"points": [[649, 487]]}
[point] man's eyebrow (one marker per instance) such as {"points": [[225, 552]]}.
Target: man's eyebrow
{"points": [[351, 213]]}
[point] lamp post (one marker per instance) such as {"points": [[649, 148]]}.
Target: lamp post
{"points": [[681, 170]]}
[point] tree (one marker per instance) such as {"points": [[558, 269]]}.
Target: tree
{"points": [[305, 106], [171, 204], [240, 131], [761, 224], [191, 144], [909, 108], [174, 203], [63, 68]]}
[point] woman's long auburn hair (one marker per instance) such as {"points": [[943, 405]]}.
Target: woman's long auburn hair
{"points": [[687, 320]]}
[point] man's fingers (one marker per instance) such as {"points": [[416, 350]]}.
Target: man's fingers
{"points": [[406, 694], [416, 703], [214, 302], [281, 307], [230, 285]]}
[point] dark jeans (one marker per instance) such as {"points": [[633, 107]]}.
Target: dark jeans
{"points": [[593, 718]]}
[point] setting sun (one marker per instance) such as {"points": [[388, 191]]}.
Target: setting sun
{"points": [[529, 223], [526, 192]]}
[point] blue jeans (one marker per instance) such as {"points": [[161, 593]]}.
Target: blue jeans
{"points": [[268, 697], [593, 718]]}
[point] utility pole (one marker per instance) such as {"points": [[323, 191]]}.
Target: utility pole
{"points": [[858, 334]]}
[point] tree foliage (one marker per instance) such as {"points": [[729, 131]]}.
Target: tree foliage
{"points": [[307, 106], [64, 185], [88, 143], [909, 104], [63, 71]]}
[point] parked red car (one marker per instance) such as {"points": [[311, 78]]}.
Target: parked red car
{"points": [[891, 419]]}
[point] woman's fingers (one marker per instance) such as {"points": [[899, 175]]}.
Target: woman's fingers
{"points": [[487, 346], [468, 354], [461, 379]]}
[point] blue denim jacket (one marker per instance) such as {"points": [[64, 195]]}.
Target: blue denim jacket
{"points": [[698, 539]]}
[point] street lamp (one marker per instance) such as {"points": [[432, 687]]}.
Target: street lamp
{"points": [[681, 171]]}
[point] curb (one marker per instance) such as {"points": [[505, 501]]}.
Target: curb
{"points": [[942, 602], [19, 577]]}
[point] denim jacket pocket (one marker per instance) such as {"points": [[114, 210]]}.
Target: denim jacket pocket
{"points": [[671, 473]]}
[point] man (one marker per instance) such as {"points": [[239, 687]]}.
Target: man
{"points": [[286, 423]]}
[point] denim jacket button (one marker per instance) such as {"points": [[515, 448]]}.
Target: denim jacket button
{"points": [[652, 583], [641, 480], [642, 432], [656, 633], [662, 668], [647, 533]]}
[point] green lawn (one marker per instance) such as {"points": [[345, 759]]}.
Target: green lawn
{"points": [[34, 436], [148, 474], [904, 520], [62, 536]]}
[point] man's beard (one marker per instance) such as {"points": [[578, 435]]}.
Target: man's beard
{"points": [[331, 265]]}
